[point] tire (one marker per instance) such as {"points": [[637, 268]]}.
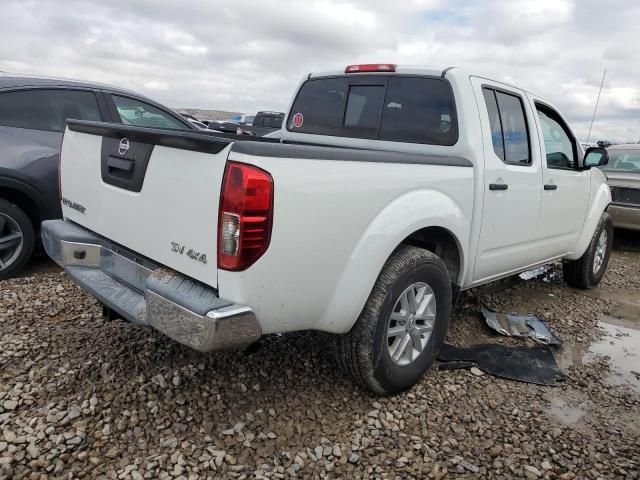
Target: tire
{"points": [[366, 350], [17, 239], [588, 270]]}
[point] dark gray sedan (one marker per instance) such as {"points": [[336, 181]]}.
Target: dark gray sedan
{"points": [[33, 114], [623, 177]]}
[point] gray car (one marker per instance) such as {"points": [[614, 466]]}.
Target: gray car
{"points": [[33, 114], [623, 177]]}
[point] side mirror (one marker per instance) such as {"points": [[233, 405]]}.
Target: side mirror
{"points": [[595, 157]]}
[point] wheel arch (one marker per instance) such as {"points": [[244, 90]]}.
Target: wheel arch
{"points": [[428, 219], [24, 197], [444, 244]]}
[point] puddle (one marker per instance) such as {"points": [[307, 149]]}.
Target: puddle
{"points": [[621, 344], [564, 413]]}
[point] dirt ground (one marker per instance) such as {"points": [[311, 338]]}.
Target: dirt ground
{"points": [[81, 397]]}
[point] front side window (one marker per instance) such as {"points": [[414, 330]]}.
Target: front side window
{"points": [[509, 130], [47, 110], [135, 112], [393, 108], [559, 147]]}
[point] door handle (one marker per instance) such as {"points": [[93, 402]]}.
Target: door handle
{"points": [[550, 187], [498, 186]]}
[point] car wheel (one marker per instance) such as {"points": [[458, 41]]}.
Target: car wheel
{"points": [[588, 270], [402, 326], [17, 239]]}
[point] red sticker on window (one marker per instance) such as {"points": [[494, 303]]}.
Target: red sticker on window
{"points": [[297, 120]]}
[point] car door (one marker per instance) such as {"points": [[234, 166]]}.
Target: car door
{"points": [[565, 194], [512, 181]]}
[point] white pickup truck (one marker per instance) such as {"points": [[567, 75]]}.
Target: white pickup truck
{"points": [[391, 189]]}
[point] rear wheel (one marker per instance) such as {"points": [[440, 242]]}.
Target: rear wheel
{"points": [[588, 270], [403, 325], [17, 239]]}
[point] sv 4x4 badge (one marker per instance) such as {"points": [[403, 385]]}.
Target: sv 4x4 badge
{"points": [[191, 253]]}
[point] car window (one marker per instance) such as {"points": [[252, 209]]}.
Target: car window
{"points": [[319, 106], [494, 120], [559, 146], [514, 129], [135, 112], [47, 109], [509, 131], [273, 121], [623, 161], [364, 105], [419, 110], [404, 109]]}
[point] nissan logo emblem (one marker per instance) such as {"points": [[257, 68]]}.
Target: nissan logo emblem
{"points": [[123, 147]]}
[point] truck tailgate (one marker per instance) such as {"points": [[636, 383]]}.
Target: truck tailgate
{"points": [[153, 191]]}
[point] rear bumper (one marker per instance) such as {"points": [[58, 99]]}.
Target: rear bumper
{"points": [[625, 217], [149, 294]]}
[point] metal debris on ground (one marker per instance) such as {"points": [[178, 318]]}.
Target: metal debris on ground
{"points": [[547, 273], [526, 364], [513, 325]]}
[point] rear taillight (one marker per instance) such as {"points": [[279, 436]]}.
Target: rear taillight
{"points": [[371, 67], [245, 217]]}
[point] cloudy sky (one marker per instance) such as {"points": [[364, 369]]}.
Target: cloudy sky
{"points": [[246, 55]]}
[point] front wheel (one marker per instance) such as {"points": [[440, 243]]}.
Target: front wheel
{"points": [[403, 324], [588, 270]]}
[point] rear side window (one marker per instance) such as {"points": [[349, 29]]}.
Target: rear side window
{"points": [[135, 112], [509, 130], [47, 109], [393, 108]]}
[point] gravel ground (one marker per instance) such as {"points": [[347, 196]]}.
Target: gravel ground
{"points": [[81, 397]]}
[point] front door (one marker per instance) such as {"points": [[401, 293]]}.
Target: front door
{"points": [[512, 181], [565, 194]]}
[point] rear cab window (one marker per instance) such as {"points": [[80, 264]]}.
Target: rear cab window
{"points": [[395, 108]]}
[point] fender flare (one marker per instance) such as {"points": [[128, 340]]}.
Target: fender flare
{"points": [[598, 205], [27, 190], [389, 228]]}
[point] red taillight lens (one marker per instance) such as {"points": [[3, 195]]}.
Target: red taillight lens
{"points": [[245, 217], [371, 67]]}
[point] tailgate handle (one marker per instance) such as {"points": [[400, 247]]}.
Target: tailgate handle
{"points": [[122, 164]]}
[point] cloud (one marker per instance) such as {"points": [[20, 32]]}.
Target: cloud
{"points": [[250, 55]]}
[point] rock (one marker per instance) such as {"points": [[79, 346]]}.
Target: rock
{"points": [[532, 472], [336, 451], [476, 371], [318, 452], [74, 412], [10, 405], [546, 465], [354, 457]]}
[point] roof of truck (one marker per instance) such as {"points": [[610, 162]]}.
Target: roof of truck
{"points": [[430, 70]]}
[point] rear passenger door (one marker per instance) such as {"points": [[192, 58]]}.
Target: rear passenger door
{"points": [[565, 194], [512, 182]]}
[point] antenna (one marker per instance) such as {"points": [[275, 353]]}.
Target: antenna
{"points": [[596, 107]]}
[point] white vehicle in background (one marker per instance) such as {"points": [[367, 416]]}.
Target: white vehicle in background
{"points": [[392, 189]]}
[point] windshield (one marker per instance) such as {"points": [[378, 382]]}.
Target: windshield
{"points": [[623, 161]]}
